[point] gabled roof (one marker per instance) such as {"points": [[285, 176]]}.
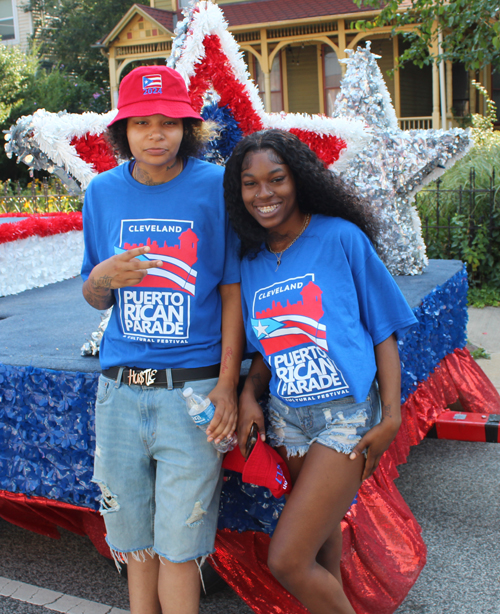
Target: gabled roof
{"points": [[264, 11], [164, 19], [249, 13]]}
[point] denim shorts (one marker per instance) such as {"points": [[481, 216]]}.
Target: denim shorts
{"points": [[337, 424], [159, 477]]}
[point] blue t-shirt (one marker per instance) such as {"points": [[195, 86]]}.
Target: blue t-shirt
{"points": [[316, 319], [172, 318]]}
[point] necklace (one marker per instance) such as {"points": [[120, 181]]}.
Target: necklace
{"points": [[279, 255]]}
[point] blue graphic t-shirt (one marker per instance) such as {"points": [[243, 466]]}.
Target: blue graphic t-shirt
{"points": [[173, 317], [317, 318]]}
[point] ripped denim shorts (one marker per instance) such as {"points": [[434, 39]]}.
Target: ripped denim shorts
{"points": [[337, 424], [160, 480]]}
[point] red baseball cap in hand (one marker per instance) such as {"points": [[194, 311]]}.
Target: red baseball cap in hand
{"points": [[151, 90], [263, 467]]}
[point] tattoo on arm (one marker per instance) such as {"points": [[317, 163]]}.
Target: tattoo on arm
{"points": [[103, 282], [225, 360], [386, 411]]}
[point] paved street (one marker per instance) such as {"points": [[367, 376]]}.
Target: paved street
{"points": [[451, 487]]}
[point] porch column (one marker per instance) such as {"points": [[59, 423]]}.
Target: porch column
{"points": [[284, 79], [321, 84], [397, 82], [113, 78], [266, 69], [342, 44]]}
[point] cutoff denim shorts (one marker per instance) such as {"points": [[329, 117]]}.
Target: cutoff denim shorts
{"points": [[339, 424], [160, 479]]}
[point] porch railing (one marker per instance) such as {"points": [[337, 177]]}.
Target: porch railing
{"points": [[415, 123]]}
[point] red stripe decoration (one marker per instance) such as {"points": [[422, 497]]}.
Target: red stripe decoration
{"points": [[215, 69], [326, 147], [40, 225], [93, 149]]}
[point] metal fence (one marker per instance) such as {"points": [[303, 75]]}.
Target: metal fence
{"points": [[454, 220], [39, 197]]}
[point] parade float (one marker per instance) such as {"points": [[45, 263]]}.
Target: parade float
{"points": [[47, 388]]}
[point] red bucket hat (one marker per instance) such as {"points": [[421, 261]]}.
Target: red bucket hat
{"points": [[149, 90], [263, 467]]}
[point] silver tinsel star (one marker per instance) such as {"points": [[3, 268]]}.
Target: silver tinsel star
{"points": [[395, 164]]}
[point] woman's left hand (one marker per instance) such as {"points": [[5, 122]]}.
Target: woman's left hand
{"points": [[223, 424], [376, 441]]}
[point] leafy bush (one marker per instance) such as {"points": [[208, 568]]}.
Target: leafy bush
{"points": [[460, 212]]}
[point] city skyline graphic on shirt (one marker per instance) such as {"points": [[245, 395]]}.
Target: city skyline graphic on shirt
{"points": [[178, 259], [283, 326]]}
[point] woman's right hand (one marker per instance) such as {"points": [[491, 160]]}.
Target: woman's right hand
{"points": [[119, 271], [249, 412], [124, 269]]}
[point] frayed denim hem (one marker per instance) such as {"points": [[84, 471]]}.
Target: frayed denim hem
{"points": [[338, 446], [296, 450], [121, 557]]}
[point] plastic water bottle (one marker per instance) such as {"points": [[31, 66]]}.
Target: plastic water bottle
{"points": [[202, 410]]}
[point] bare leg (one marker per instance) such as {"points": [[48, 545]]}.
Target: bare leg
{"points": [[179, 587], [330, 552], [143, 585], [322, 494]]}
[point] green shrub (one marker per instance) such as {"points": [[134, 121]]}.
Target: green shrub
{"points": [[460, 212]]}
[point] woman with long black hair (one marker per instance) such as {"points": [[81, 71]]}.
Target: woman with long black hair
{"points": [[323, 315]]}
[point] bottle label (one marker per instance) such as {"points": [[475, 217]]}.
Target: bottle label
{"points": [[205, 416]]}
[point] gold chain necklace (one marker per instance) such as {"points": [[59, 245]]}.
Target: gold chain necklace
{"points": [[279, 255]]}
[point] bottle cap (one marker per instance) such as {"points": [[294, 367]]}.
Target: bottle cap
{"points": [[187, 392]]}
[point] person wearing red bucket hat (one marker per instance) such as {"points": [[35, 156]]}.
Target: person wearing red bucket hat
{"points": [[159, 250], [322, 315]]}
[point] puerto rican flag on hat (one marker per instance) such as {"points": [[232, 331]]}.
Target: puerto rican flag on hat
{"points": [[151, 81]]}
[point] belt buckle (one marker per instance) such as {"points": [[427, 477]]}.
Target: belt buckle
{"points": [[146, 377]]}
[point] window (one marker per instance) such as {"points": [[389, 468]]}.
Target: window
{"points": [[276, 87], [7, 30], [332, 77], [460, 104], [182, 4]]}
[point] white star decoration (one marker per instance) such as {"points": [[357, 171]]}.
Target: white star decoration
{"points": [[395, 164]]}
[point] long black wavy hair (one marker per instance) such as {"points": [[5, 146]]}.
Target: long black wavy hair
{"points": [[318, 190]]}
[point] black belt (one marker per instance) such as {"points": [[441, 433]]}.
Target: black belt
{"points": [[171, 378]]}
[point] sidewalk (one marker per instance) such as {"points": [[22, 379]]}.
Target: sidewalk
{"points": [[483, 330]]}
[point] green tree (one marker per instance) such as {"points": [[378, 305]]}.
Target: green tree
{"points": [[470, 29], [67, 32], [16, 75]]}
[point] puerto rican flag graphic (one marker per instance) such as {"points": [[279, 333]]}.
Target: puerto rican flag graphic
{"points": [[288, 331], [174, 242], [151, 81], [291, 320], [174, 271]]}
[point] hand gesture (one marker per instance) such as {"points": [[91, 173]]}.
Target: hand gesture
{"points": [[124, 269], [119, 271]]}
